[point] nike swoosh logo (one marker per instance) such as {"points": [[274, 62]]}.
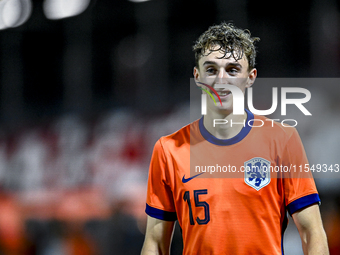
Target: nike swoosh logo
{"points": [[189, 179]]}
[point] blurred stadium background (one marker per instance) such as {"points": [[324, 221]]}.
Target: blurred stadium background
{"points": [[87, 87]]}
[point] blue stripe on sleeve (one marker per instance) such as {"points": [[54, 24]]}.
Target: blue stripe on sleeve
{"points": [[303, 202], [160, 214]]}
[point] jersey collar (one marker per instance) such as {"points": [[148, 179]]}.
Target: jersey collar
{"points": [[222, 142]]}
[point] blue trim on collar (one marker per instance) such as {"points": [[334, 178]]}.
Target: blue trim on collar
{"points": [[242, 134]]}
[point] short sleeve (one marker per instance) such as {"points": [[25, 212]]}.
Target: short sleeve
{"points": [[159, 202], [299, 186]]}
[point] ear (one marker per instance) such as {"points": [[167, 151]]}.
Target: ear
{"points": [[197, 76], [251, 77]]}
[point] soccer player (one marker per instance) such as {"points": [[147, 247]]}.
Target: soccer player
{"points": [[244, 213]]}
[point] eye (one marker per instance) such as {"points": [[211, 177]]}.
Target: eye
{"points": [[233, 70], [211, 70]]}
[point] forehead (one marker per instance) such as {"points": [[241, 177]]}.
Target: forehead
{"points": [[219, 58]]}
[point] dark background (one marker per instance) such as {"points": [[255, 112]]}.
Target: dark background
{"points": [[138, 55]]}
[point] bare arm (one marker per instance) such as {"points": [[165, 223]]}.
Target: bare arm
{"points": [[308, 222], [157, 237]]}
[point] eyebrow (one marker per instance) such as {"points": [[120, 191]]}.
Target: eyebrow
{"points": [[209, 62]]}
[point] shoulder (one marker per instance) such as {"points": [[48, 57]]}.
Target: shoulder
{"points": [[179, 138]]}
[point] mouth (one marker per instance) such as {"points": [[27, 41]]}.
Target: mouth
{"points": [[223, 93]]}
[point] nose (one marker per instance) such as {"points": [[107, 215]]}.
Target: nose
{"points": [[222, 76]]}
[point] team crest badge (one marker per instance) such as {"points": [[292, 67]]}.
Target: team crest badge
{"points": [[257, 173]]}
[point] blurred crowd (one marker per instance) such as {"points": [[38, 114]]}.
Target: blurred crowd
{"points": [[76, 185]]}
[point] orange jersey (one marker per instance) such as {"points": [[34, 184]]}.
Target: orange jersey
{"points": [[232, 214]]}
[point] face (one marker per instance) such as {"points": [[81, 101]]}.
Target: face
{"points": [[214, 70]]}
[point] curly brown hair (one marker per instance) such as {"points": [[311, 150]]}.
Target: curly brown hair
{"points": [[230, 39]]}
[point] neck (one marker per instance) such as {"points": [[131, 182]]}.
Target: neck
{"points": [[224, 125]]}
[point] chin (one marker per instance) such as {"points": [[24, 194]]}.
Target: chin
{"points": [[224, 109], [225, 106]]}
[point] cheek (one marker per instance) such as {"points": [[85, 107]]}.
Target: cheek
{"points": [[242, 87], [208, 80]]}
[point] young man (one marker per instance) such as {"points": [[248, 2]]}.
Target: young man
{"points": [[242, 215]]}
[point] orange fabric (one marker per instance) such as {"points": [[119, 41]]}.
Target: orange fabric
{"points": [[227, 215]]}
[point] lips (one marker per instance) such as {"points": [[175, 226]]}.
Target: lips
{"points": [[223, 93]]}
